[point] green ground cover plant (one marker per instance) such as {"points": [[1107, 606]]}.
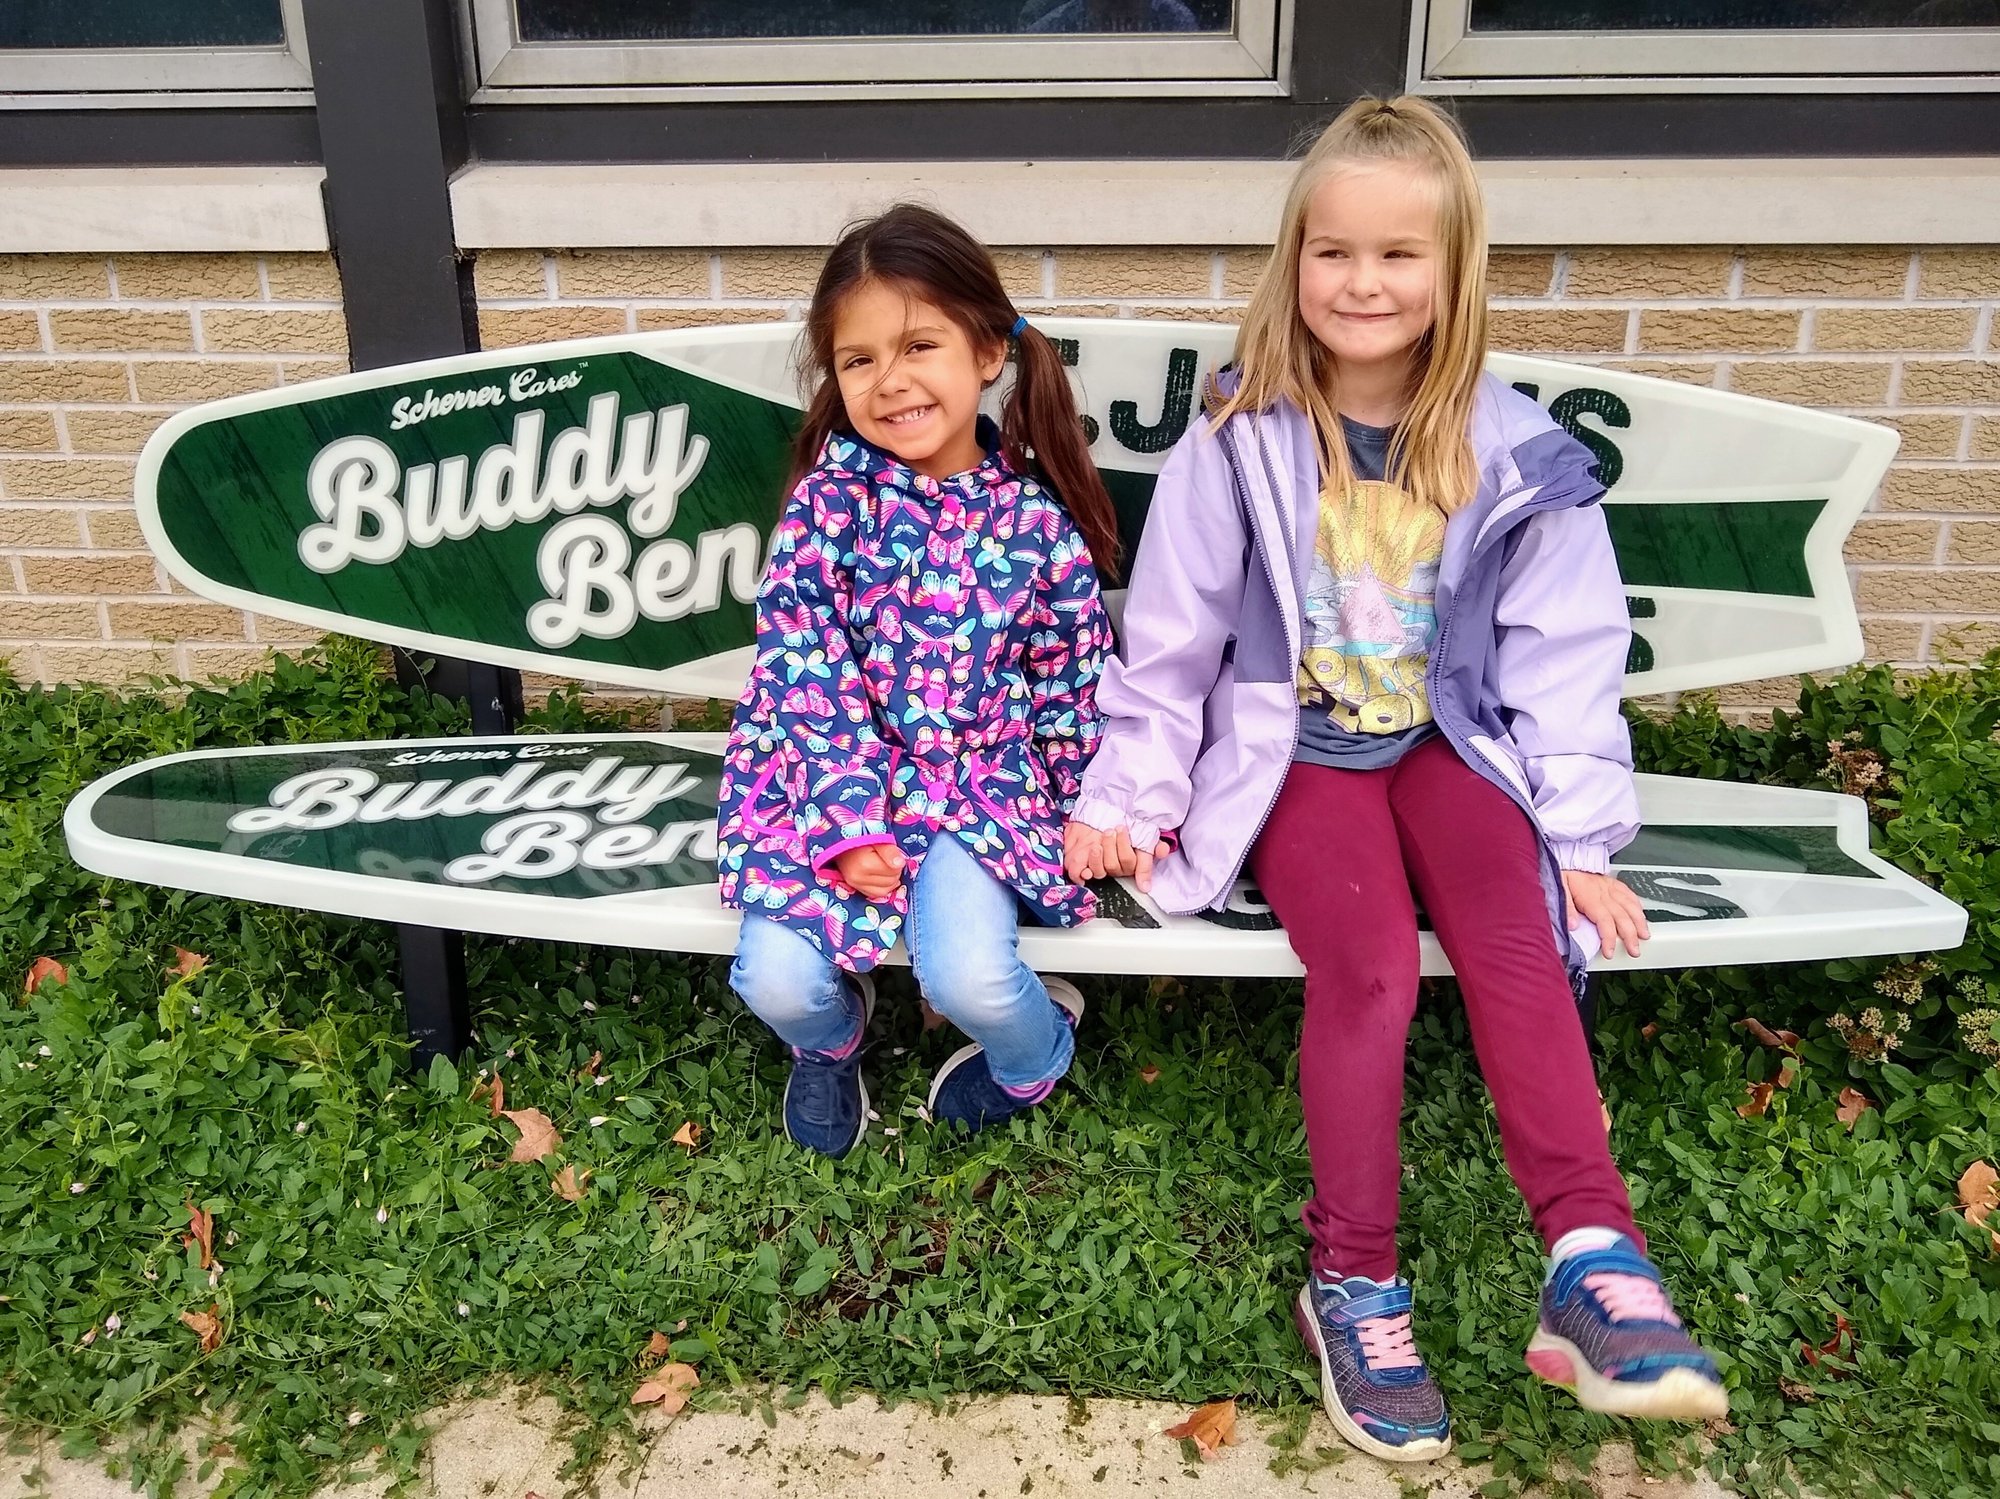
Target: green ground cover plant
{"points": [[375, 1250]]}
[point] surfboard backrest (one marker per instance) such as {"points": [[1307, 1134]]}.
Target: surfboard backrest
{"points": [[600, 508]]}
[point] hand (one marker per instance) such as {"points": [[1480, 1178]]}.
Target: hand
{"points": [[1090, 853], [1612, 908], [875, 869]]}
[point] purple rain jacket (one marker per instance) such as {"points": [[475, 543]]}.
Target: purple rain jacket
{"points": [[1201, 703]]}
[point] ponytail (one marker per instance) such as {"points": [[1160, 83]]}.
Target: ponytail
{"points": [[1040, 418]]}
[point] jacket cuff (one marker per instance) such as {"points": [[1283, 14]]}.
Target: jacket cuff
{"points": [[1107, 817], [1584, 857], [824, 854]]}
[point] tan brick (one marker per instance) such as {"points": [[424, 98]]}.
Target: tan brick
{"points": [[1515, 274], [24, 661], [64, 380], [651, 318], [1701, 329], [290, 332], [1894, 329], [1974, 541], [1659, 271], [1877, 540], [1075, 309], [1951, 490], [39, 620], [1986, 437], [113, 529], [111, 431], [230, 662], [110, 665], [1952, 382], [504, 327], [1763, 692], [1969, 271], [1891, 639], [302, 278], [1570, 330], [1020, 271], [185, 380], [1205, 312], [770, 273], [498, 274], [53, 278], [20, 332], [1812, 382], [39, 526], [175, 621], [1931, 434], [66, 479], [1930, 590], [1825, 272], [1962, 640], [270, 627], [187, 278], [28, 432], [1135, 272], [119, 331], [1241, 270], [94, 574], [631, 273], [1693, 372], [301, 371]]}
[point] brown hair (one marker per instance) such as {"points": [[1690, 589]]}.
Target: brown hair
{"points": [[927, 255]]}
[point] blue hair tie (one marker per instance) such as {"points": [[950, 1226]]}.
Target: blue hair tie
{"points": [[1020, 326]]}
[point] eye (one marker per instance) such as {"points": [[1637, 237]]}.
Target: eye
{"points": [[922, 345], [854, 362]]}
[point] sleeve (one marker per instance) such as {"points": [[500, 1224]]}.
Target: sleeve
{"points": [[1066, 651], [1561, 640], [1181, 611], [810, 686]]}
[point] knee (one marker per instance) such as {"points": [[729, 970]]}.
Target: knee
{"points": [[973, 990], [779, 975]]}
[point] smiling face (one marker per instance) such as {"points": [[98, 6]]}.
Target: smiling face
{"points": [[1368, 267], [911, 378]]}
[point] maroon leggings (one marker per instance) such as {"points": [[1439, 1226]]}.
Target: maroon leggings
{"points": [[1337, 861]]}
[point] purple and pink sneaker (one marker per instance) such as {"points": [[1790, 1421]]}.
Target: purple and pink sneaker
{"points": [[1377, 1392], [1609, 1334]]}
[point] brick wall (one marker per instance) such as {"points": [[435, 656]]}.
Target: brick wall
{"points": [[95, 351]]}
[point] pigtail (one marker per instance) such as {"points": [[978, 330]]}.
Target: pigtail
{"points": [[1040, 417], [823, 417]]}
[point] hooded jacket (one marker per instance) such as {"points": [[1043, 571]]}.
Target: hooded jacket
{"points": [[1201, 705]]}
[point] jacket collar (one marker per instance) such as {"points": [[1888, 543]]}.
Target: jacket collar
{"points": [[847, 452]]}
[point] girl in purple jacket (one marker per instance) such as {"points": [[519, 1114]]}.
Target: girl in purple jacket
{"points": [[929, 637], [1373, 647]]}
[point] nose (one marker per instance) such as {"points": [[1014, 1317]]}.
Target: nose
{"points": [[1364, 277]]}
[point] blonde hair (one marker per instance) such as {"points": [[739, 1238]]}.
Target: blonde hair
{"points": [[1280, 359]]}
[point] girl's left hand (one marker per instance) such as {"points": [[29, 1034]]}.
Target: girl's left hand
{"points": [[1612, 908]]}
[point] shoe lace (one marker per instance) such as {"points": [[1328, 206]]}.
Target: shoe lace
{"points": [[1631, 1298], [815, 1086], [1388, 1343]]}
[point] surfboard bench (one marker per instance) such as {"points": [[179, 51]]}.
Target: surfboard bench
{"points": [[597, 509]]}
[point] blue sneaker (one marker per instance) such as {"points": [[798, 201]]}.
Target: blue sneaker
{"points": [[826, 1103], [1608, 1333], [964, 1093], [1372, 1380]]}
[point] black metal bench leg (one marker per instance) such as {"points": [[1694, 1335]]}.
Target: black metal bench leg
{"points": [[434, 998]]}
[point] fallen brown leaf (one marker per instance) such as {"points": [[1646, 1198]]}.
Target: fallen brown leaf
{"points": [[688, 1134], [567, 1187], [201, 1230], [494, 1090], [207, 1326], [590, 1067], [186, 963], [932, 1020], [1650, 1029], [43, 969], [1979, 1196], [1840, 1346], [1853, 1104], [1788, 1073], [1149, 1075], [1760, 1100], [1210, 1427], [668, 1387], [1796, 1393], [657, 1348], [1765, 1036], [538, 1134]]}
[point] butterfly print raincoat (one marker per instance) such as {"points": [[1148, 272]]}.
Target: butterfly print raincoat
{"points": [[927, 660]]}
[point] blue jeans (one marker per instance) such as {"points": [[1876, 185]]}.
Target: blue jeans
{"points": [[964, 943]]}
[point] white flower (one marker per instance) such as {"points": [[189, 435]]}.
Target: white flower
{"points": [[28, 1066], [355, 1418], [892, 1132], [194, 1009], [43, 1051], [464, 1310], [510, 1053], [601, 1081], [301, 1127], [598, 1119], [590, 1006], [103, 902], [215, 1277], [150, 1273], [77, 1189], [112, 1323], [381, 1215]]}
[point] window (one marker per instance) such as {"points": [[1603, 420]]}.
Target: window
{"points": [[110, 52], [1514, 46], [553, 50]]}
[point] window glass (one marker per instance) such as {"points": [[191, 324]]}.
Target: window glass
{"points": [[1729, 15], [140, 23], [694, 20]]}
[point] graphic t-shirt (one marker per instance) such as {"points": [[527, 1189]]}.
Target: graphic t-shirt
{"points": [[1370, 616]]}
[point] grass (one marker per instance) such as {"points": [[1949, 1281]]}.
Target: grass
{"points": [[1133, 1238]]}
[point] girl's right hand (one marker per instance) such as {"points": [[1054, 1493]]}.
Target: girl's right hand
{"points": [[874, 869], [1092, 853]]}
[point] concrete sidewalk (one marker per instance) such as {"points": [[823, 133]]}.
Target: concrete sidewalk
{"points": [[998, 1448]]}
